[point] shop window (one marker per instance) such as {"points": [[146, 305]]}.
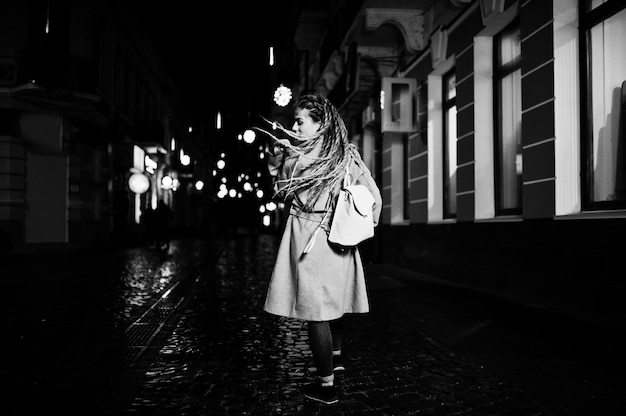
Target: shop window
{"points": [[603, 30], [508, 121], [449, 144]]}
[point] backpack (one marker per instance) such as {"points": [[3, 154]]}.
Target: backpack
{"points": [[353, 220]]}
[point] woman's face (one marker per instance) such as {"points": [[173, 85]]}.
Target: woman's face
{"points": [[304, 125]]}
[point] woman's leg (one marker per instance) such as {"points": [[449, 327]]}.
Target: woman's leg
{"points": [[321, 342], [336, 331]]}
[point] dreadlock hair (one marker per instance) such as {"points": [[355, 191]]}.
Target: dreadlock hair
{"points": [[326, 171]]}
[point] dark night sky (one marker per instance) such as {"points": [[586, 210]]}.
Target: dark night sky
{"points": [[216, 52]]}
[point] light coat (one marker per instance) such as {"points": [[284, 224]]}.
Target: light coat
{"points": [[328, 281]]}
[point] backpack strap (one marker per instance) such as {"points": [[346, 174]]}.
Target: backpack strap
{"points": [[311, 243], [347, 179]]}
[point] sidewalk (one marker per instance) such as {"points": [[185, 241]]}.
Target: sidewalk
{"points": [[571, 367], [208, 349]]}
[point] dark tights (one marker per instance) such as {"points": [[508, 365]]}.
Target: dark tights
{"points": [[324, 337]]}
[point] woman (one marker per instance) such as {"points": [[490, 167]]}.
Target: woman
{"points": [[312, 279]]}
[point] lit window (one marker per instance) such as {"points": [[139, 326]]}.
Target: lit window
{"points": [[508, 133], [449, 144], [603, 27]]}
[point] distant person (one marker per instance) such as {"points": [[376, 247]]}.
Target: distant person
{"points": [[313, 280], [149, 223], [163, 219]]}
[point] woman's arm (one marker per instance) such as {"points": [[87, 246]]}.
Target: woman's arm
{"points": [[364, 177]]}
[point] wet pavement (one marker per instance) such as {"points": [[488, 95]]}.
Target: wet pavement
{"points": [[139, 332]]}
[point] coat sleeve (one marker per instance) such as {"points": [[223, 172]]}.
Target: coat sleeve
{"points": [[275, 165], [364, 177], [275, 160], [280, 165]]}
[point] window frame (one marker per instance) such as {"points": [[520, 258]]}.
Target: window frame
{"points": [[406, 201], [500, 71], [588, 19], [446, 105]]}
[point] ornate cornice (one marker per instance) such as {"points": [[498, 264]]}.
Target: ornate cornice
{"points": [[409, 22]]}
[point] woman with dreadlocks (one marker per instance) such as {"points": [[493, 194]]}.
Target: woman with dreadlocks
{"points": [[313, 280]]}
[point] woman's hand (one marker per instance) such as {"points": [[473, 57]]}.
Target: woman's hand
{"points": [[279, 147], [283, 143]]}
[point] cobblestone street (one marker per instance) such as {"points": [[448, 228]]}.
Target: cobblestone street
{"points": [[225, 356], [190, 338]]}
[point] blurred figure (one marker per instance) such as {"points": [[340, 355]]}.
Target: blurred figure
{"points": [[149, 222], [163, 219], [120, 217]]}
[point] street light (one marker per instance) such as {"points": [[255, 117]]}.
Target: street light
{"points": [[185, 160], [249, 136], [138, 183]]}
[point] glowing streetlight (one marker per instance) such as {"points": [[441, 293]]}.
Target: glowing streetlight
{"points": [[249, 136], [138, 183], [167, 182], [185, 160]]}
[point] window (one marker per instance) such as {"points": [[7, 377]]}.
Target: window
{"points": [[449, 144], [603, 26], [406, 185], [508, 121]]}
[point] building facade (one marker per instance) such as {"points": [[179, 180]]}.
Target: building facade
{"points": [[87, 112], [494, 129]]}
